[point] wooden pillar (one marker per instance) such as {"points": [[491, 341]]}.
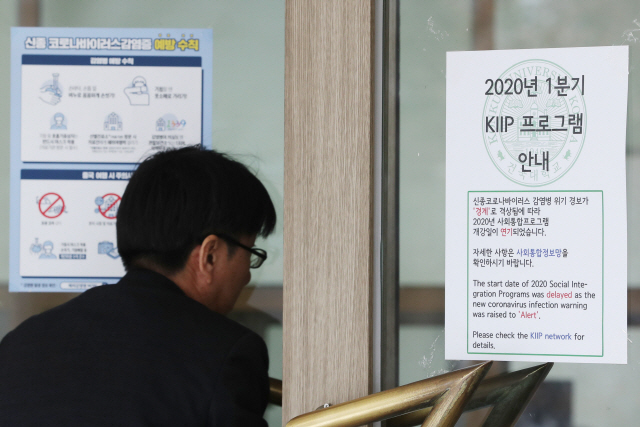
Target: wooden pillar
{"points": [[328, 203], [483, 11], [29, 13]]}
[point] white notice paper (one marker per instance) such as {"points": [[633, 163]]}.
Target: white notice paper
{"points": [[536, 235]]}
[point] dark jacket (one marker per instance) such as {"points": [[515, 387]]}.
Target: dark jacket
{"points": [[137, 353]]}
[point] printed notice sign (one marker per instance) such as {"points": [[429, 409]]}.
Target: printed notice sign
{"points": [[87, 105], [536, 236]]}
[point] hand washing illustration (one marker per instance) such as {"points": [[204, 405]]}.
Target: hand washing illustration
{"points": [[51, 91]]}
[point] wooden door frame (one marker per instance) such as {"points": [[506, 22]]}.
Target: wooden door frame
{"points": [[329, 192]]}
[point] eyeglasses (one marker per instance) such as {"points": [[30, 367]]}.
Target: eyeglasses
{"points": [[258, 256]]}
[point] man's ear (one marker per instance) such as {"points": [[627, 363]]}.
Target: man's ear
{"points": [[208, 254]]}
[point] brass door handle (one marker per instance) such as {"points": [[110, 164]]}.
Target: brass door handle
{"points": [[434, 401], [447, 393], [275, 391]]}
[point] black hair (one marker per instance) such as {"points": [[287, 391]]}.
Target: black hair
{"points": [[176, 198]]}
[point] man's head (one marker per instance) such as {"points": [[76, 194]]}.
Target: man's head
{"points": [[180, 201]]}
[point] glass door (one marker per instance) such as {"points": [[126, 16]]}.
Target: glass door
{"points": [[573, 394], [247, 122]]}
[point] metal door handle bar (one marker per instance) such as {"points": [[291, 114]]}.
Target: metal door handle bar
{"points": [[508, 393], [437, 401], [275, 391], [447, 393]]}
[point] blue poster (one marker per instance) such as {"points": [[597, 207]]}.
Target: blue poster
{"points": [[88, 105]]}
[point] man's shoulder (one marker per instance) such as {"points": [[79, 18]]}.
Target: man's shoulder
{"points": [[144, 305], [153, 296], [136, 337]]}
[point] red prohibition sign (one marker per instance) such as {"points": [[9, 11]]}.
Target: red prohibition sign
{"points": [[109, 209], [55, 208]]}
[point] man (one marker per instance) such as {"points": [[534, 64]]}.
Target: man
{"points": [[155, 349]]}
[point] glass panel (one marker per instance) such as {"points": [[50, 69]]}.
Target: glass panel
{"points": [[427, 31], [248, 117], [8, 18], [584, 394]]}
